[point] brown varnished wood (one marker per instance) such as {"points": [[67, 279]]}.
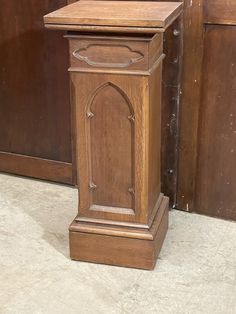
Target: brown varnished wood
{"points": [[145, 192], [171, 87], [137, 232], [130, 89], [104, 29], [129, 248], [119, 71], [35, 167], [135, 94], [34, 89], [118, 143], [216, 183], [116, 13], [113, 56], [188, 198], [111, 153], [155, 49], [206, 157], [167, 177], [190, 102], [154, 145], [220, 12], [170, 105], [94, 52], [126, 224]]}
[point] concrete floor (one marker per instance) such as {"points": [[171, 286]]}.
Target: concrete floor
{"points": [[196, 271]]}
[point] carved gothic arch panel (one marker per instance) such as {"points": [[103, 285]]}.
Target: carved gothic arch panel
{"points": [[110, 130]]}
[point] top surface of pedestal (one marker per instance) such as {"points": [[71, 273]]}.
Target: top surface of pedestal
{"points": [[115, 14]]}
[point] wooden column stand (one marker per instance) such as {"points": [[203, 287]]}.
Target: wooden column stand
{"points": [[116, 53]]}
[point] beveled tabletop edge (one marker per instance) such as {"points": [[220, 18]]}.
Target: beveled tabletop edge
{"points": [[95, 24]]}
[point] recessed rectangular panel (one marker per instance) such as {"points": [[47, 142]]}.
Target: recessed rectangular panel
{"points": [[34, 87], [216, 174], [220, 12], [111, 128], [115, 53]]}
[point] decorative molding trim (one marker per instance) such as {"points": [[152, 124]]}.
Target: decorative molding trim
{"points": [[89, 108], [36, 167], [119, 71], [123, 60]]}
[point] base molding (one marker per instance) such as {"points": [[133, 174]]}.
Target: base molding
{"points": [[36, 167], [117, 245]]}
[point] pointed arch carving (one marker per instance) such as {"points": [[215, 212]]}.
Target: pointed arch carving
{"points": [[110, 131], [104, 85]]}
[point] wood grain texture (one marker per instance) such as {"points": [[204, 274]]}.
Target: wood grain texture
{"points": [[136, 231], [34, 88], [119, 54], [105, 29], [132, 88], [206, 170], [123, 216], [105, 164], [36, 167], [94, 52], [220, 12], [154, 138], [171, 87], [190, 103], [111, 141], [116, 13], [216, 172], [119, 246]]}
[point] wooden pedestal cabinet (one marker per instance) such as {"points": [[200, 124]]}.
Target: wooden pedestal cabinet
{"points": [[116, 53]]}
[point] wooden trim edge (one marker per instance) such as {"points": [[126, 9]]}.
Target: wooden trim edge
{"points": [[137, 232], [190, 104], [35, 167], [127, 251]]}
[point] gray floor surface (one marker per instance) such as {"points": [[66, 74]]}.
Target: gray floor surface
{"points": [[196, 271]]}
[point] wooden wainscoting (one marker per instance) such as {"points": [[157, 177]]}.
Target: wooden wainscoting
{"points": [[40, 168], [35, 113], [206, 181]]}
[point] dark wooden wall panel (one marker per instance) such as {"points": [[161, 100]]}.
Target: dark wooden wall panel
{"points": [[34, 84], [190, 102], [220, 12], [206, 181], [216, 172]]}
